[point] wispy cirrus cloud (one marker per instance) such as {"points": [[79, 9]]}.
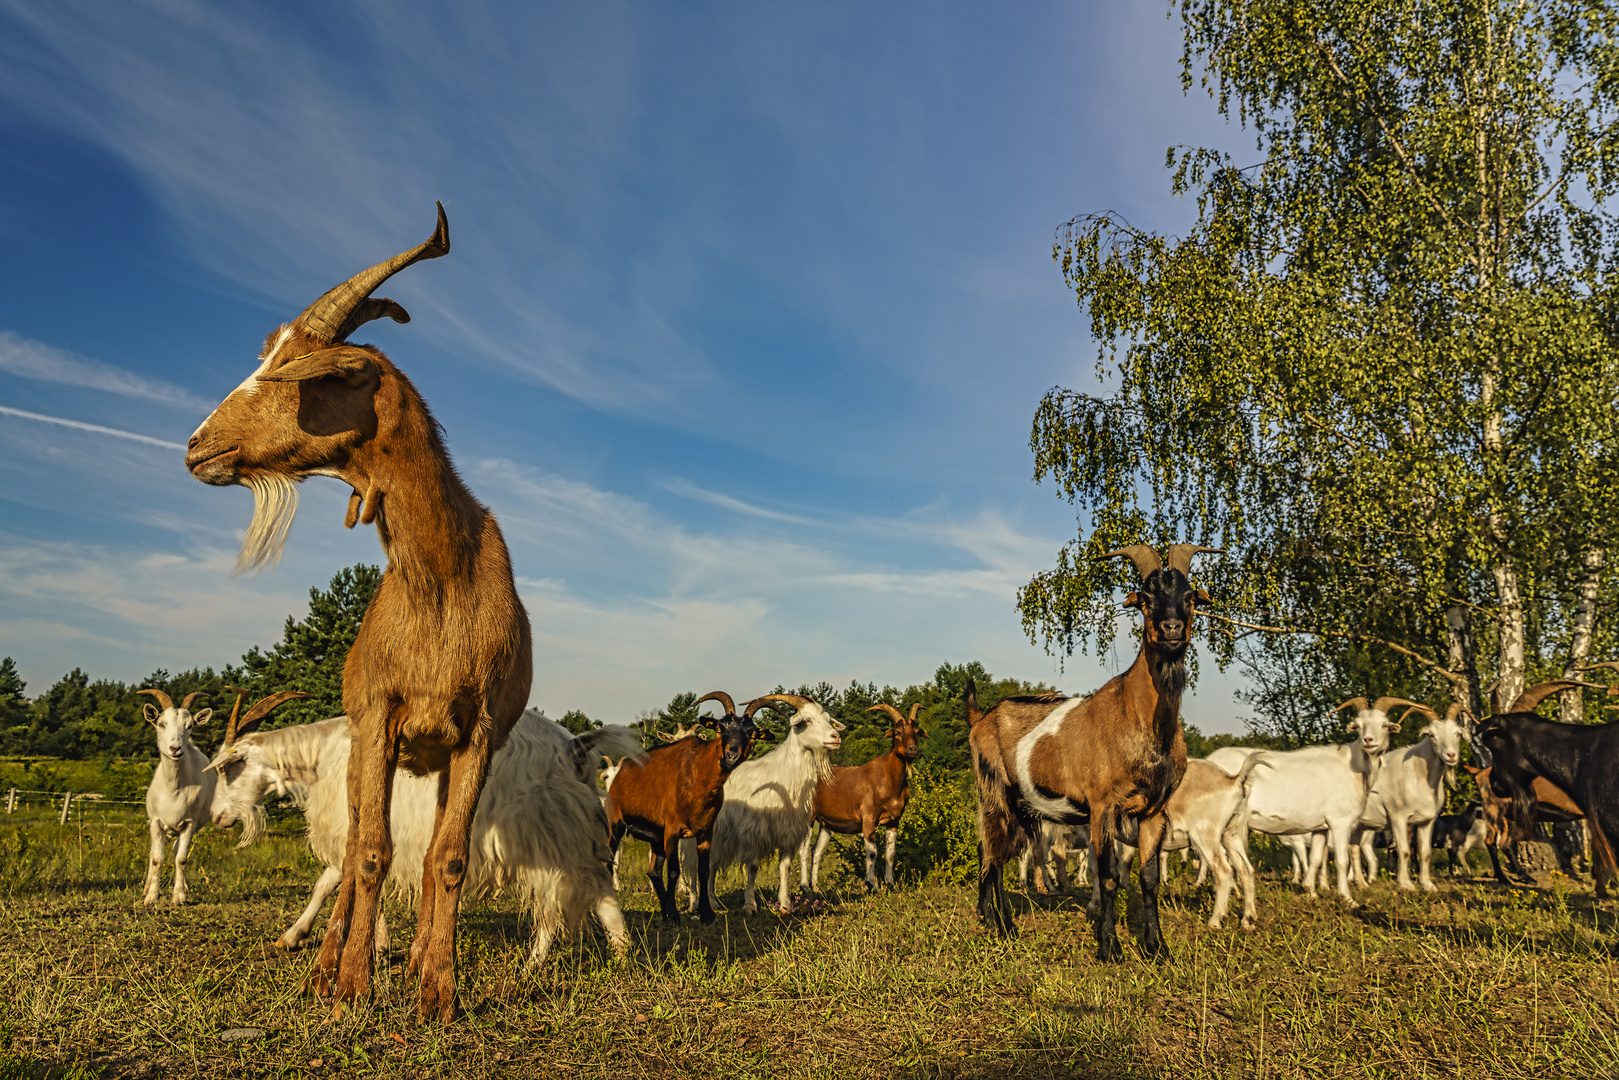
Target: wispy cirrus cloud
{"points": [[46, 363], [98, 429]]}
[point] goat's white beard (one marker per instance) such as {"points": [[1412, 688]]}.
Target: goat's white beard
{"points": [[275, 504], [252, 825]]}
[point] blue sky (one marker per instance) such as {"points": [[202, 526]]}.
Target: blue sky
{"points": [[747, 314]]}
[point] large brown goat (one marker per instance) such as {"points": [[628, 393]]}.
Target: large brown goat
{"points": [[1091, 760], [864, 798], [440, 669], [675, 792]]}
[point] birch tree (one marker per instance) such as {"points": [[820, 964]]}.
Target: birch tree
{"points": [[1380, 368]]}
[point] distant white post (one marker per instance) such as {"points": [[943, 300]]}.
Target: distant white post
{"points": [[11, 800], [67, 801]]}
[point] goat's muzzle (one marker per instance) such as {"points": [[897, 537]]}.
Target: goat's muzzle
{"points": [[212, 465]]}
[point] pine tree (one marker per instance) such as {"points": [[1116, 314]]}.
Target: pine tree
{"points": [[312, 651]]}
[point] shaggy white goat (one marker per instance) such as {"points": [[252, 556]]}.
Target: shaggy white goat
{"points": [[1410, 790], [539, 827], [177, 800], [770, 801]]}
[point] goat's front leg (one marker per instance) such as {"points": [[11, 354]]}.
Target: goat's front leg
{"points": [[671, 867], [182, 849], [154, 863], [888, 862], [337, 927], [328, 880], [429, 897], [1424, 856], [1150, 841], [751, 868], [1402, 849], [868, 841], [705, 884], [374, 751], [469, 768]]}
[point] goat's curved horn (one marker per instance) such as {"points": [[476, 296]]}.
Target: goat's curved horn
{"points": [[720, 696], [797, 701], [1358, 702], [894, 714], [1179, 556], [1455, 708], [193, 696], [162, 698], [1383, 704], [255, 716], [1145, 558], [1600, 664], [1531, 698], [916, 708], [346, 308], [1494, 690]]}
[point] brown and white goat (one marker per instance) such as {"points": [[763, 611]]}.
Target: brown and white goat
{"points": [[675, 792], [440, 669], [860, 799], [1092, 760]]}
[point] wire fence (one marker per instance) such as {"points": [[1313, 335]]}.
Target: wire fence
{"points": [[67, 805]]}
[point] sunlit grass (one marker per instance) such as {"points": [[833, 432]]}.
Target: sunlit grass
{"points": [[1473, 981]]}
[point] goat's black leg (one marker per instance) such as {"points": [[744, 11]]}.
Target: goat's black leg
{"points": [[1495, 861], [705, 899], [1151, 839], [1107, 879], [671, 913]]}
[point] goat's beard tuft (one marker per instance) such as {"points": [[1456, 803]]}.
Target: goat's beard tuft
{"points": [[252, 825], [275, 504]]}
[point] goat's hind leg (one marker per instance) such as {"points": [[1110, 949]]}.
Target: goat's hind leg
{"points": [[994, 846]]}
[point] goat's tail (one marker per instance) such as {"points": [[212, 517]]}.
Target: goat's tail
{"points": [[1603, 865], [1244, 777], [970, 697]]}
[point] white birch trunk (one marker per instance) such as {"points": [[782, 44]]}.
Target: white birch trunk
{"points": [[1571, 703]]}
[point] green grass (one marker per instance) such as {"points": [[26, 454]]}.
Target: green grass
{"points": [[1475, 981]]}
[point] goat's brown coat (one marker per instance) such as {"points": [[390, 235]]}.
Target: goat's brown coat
{"points": [[860, 799]]}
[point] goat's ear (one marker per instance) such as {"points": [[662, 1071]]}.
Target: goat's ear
{"points": [[1203, 597], [1131, 599], [1352, 726], [1394, 725], [151, 714], [354, 366], [198, 719]]}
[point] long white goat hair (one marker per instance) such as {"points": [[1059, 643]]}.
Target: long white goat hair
{"points": [[275, 504], [539, 829]]}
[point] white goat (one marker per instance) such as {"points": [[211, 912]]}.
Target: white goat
{"points": [[1410, 790], [539, 828], [1319, 788], [1209, 814], [770, 801], [177, 799]]}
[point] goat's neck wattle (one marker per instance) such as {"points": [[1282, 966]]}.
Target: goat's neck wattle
{"points": [[428, 521]]}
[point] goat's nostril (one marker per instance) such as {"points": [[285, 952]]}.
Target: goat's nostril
{"points": [[192, 443]]}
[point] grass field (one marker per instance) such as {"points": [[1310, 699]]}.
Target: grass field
{"points": [[1476, 981]]}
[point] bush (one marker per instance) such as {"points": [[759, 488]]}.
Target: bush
{"points": [[938, 836]]}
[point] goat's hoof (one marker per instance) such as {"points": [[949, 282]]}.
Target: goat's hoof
{"points": [[706, 917], [1110, 952]]}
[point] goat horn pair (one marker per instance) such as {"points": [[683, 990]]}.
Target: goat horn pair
{"points": [[797, 701], [1530, 699], [1381, 705], [347, 307], [162, 698], [720, 696], [1179, 557], [255, 716], [1415, 707]]}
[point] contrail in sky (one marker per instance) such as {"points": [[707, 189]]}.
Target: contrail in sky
{"points": [[97, 428]]}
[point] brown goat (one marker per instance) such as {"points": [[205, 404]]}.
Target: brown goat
{"points": [[1091, 760], [863, 798], [440, 669], [675, 792]]}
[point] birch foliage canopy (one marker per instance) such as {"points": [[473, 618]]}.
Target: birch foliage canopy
{"points": [[1380, 369]]}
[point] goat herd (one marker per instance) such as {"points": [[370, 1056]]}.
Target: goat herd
{"points": [[496, 796]]}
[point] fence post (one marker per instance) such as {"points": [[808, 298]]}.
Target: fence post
{"points": [[11, 801], [67, 801]]}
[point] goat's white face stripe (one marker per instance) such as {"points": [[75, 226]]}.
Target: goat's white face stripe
{"points": [[1055, 808], [251, 383]]}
